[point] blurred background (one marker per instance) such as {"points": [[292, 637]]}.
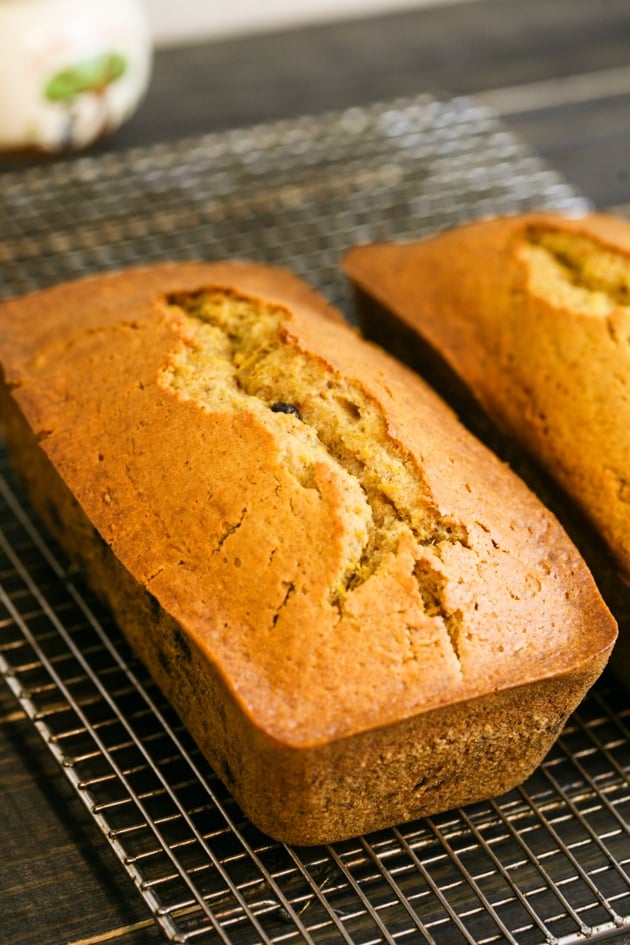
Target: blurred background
{"points": [[196, 19], [557, 73]]}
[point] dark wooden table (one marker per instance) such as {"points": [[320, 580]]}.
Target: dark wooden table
{"points": [[559, 74]]}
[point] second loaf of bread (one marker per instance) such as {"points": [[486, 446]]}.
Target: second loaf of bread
{"points": [[532, 313], [360, 614]]}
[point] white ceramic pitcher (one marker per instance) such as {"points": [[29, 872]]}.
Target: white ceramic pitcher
{"points": [[71, 71]]}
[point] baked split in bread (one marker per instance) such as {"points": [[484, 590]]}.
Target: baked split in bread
{"points": [[531, 316], [361, 615]]}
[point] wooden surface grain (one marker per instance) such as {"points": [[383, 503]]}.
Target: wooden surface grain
{"points": [[59, 880], [558, 72]]}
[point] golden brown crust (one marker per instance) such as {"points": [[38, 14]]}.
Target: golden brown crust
{"points": [[552, 375], [223, 567]]}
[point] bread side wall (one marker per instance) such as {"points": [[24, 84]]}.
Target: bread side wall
{"points": [[434, 761]]}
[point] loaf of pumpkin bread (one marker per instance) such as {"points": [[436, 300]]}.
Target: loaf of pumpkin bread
{"points": [[360, 614], [531, 316]]}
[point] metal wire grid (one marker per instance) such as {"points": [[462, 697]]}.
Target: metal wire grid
{"points": [[549, 862], [294, 193]]}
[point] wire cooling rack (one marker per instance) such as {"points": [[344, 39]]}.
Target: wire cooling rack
{"points": [[546, 863]]}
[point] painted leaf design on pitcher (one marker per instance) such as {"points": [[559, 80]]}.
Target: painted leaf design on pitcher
{"points": [[93, 77]]}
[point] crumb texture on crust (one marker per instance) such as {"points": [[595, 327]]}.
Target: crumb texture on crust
{"points": [[576, 272], [235, 357], [579, 382]]}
